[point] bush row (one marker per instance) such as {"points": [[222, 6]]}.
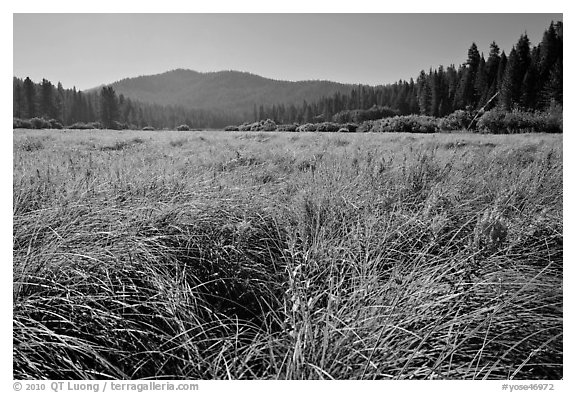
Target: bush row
{"points": [[41, 123], [36, 123], [411, 123], [501, 122], [270, 125], [495, 121]]}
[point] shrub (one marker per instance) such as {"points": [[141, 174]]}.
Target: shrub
{"points": [[498, 121], [411, 123], [183, 127], [262, 125], [327, 127], [245, 127], [365, 126], [352, 127], [308, 127], [148, 128], [19, 123], [492, 121], [86, 126], [231, 128], [121, 126], [287, 127], [457, 120], [553, 116], [55, 124], [269, 125], [519, 121], [38, 123]]}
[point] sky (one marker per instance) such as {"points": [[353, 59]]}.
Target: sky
{"points": [[87, 50]]}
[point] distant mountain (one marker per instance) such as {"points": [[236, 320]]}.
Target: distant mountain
{"points": [[233, 91]]}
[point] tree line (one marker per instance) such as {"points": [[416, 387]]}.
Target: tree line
{"points": [[528, 78], [71, 106]]}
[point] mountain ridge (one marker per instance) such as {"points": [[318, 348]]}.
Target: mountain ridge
{"points": [[230, 90]]}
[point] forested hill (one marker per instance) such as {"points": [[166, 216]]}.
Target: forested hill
{"points": [[232, 91]]}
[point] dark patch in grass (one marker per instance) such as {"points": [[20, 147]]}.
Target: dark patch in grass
{"points": [[179, 142], [163, 303], [123, 145], [117, 146], [306, 165], [31, 144], [454, 145], [265, 177], [137, 141], [236, 256], [488, 145], [239, 161]]}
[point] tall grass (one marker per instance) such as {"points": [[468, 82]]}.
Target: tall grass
{"points": [[348, 256]]}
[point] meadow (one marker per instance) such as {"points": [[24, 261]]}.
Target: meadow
{"points": [[247, 255]]}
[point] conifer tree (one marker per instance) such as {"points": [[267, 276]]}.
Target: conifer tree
{"points": [[481, 84], [424, 93], [492, 63], [29, 97], [510, 88], [550, 66], [524, 55], [553, 88], [47, 107], [18, 97], [108, 107], [60, 103], [529, 88]]}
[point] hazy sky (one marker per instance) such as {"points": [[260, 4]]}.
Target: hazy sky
{"points": [[86, 50]]}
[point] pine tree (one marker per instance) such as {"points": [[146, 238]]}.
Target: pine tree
{"points": [[108, 107], [523, 52], [501, 71], [18, 97], [424, 93], [466, 94], [473, 58], [481, 86], [550, 50], [529, 88], [510, 88], [492, 63], [550, 63], [553, 88], [516, 68], [47, 106], [60, 103], [29, 97]]}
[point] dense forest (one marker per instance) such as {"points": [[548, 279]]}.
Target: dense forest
{"points": [[528, 78], [72, 107]]}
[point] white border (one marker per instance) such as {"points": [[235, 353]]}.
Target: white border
{"points": [[295, 6]]}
